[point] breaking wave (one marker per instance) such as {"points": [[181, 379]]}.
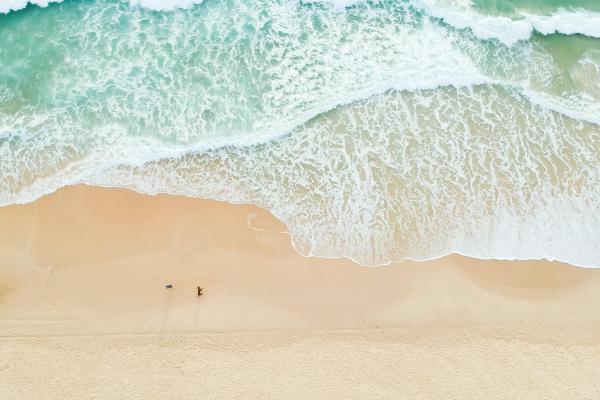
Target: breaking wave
{"points": [[511, 30], [7, 6], [376, 131]]}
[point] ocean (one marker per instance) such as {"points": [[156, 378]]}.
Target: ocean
{"points": [[379, 131]]}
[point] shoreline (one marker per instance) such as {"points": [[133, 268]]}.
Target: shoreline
{"points": [[310, 256], [237, 253], [82, 282]]}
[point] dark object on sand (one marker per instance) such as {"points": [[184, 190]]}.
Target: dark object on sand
{"points": [[169, 286], [199, 291]]}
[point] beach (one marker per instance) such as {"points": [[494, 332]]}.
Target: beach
{"points": [[322, 199], [85, 312]]}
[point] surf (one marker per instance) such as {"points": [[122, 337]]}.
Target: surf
{"points": [[159, 5], [375, 130], [510, 30]]}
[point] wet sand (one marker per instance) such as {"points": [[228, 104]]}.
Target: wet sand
{"points": [[84, 309]]}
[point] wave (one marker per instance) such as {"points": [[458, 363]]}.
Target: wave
{"points": [[377, 136], [507, 30], [510, 31], [416, 175], [125, 100], [7, 6], [576, 106], [113, 147]]}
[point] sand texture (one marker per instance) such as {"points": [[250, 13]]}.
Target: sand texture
{"points": [[84, 312]]}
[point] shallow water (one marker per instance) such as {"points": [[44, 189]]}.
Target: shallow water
{"points": [[378, 131]]}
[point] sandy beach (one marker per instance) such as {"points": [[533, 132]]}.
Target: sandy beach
{"points": [[170, 171], [84, 312]]}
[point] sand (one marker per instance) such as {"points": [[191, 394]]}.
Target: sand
{"points": [[84, 312]]}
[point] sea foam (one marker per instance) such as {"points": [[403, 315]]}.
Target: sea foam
{"points": [[162, 115], [506, 30], [412, 175], [7, 6], [511, 30], [375, 133]]}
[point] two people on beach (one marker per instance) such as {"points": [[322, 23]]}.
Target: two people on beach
{"points": [[198, 288]]}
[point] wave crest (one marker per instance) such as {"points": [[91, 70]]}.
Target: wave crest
{"points": [[412, 175], [7, 6], [510, 31]]}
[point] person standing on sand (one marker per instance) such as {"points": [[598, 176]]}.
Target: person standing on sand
{"points": [[199, 291]]}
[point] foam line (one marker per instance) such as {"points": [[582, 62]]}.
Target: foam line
{"points": [[7, 6], [510, 31]]}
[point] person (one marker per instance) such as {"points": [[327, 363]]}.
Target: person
{"points": [[199, 291]]}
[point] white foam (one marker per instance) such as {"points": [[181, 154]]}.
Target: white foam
{"points": [[411, 174], [509, 31], [165, 5], [585, 74], [304, 82], [458, 14], [462, 16], [578, 106], [407, 175], [428, 173], [566, 22], [337, 4], [7, 6]]}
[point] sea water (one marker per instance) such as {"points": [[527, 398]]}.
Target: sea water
{"points": [[376, 130]]}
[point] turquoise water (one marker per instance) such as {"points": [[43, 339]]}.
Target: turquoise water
{"points": [[378, 131], [515, 7]]}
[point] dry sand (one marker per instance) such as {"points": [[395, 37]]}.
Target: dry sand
{"points": [[84, 312]]}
